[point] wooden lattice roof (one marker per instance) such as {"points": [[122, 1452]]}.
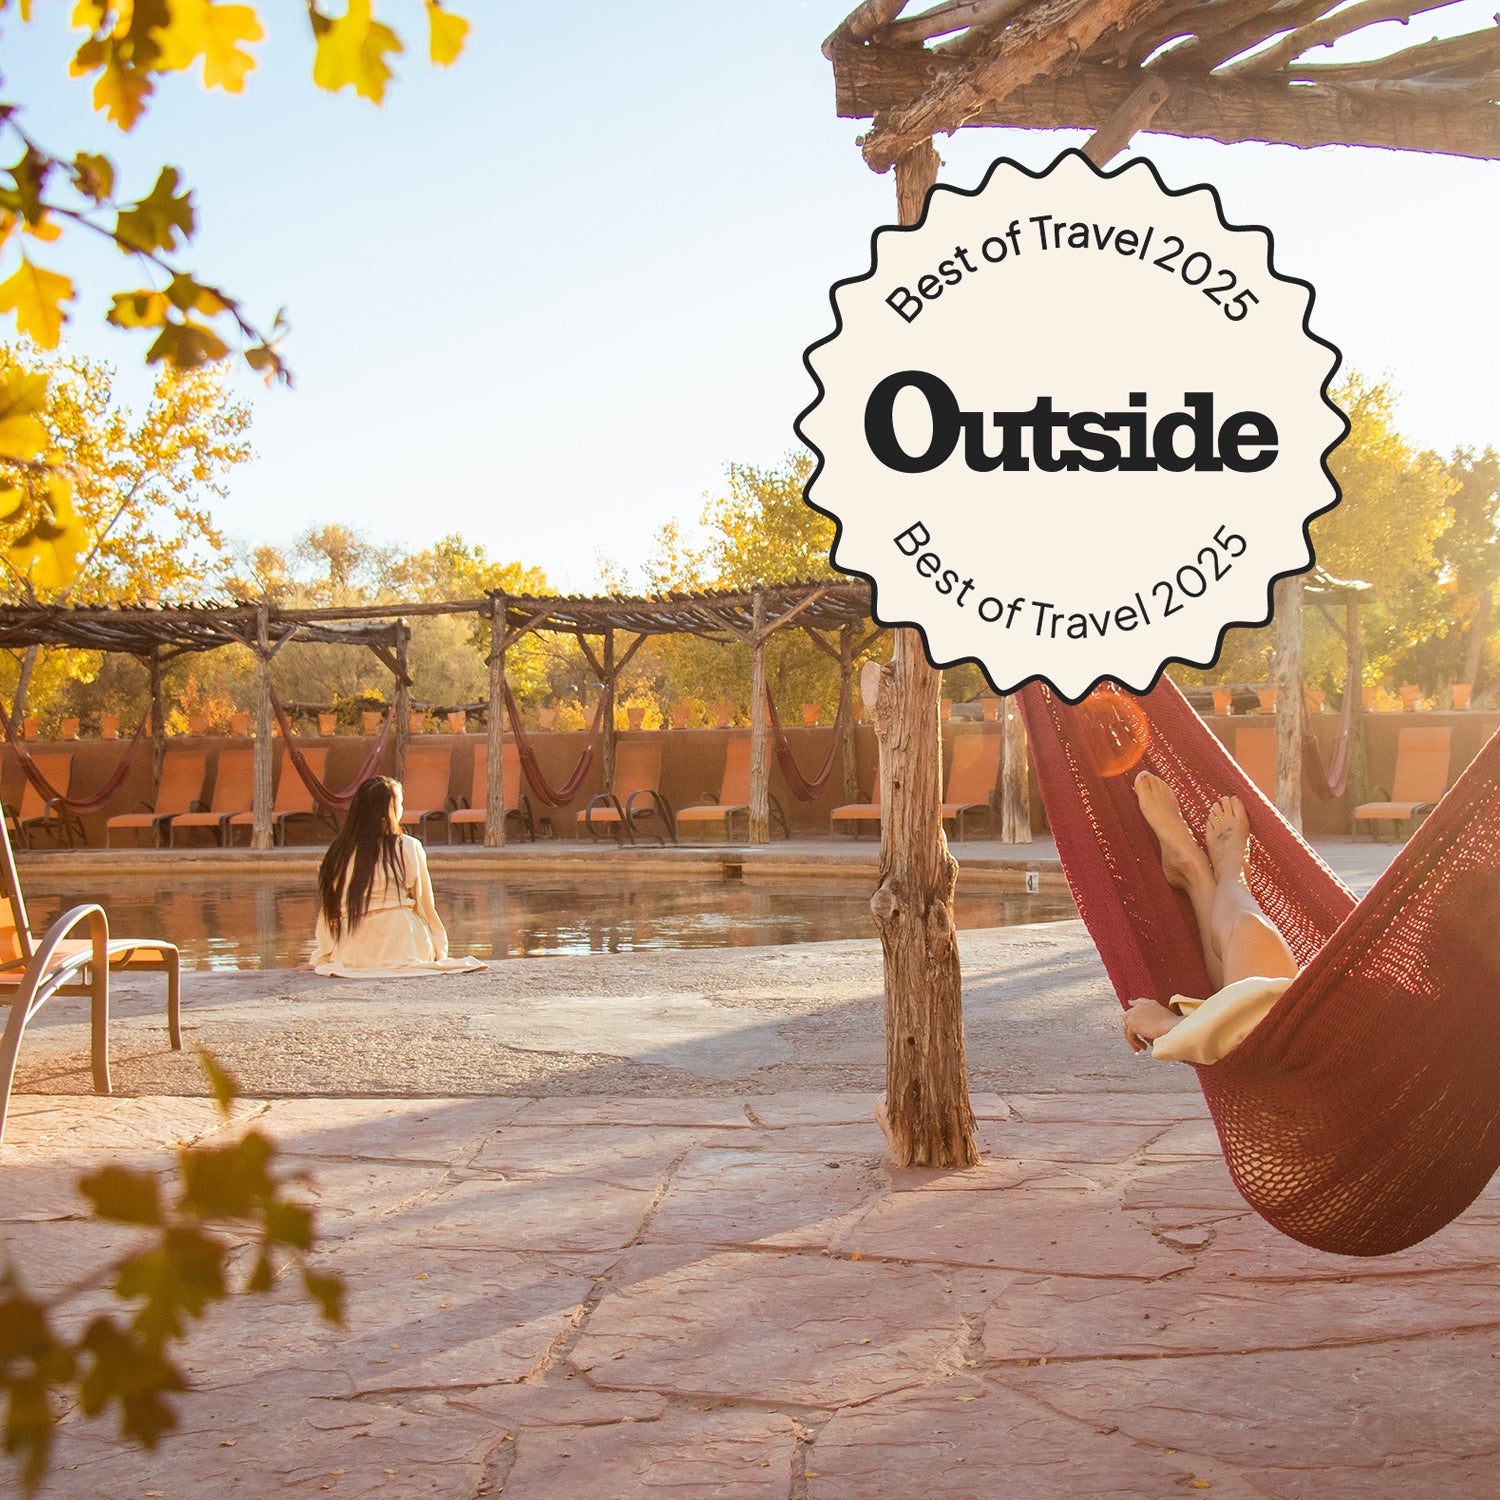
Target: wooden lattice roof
{"points": [[1226, 70], [173, 630]]}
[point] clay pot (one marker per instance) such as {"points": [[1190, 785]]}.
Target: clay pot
{"points": [[945, 709], [1367, 698], [370, 718], [1461, 692], [197, 723], [1267, 698], [328, 724], [1316, 698], [30, 729], [418, 722], [69, 729], [991, 707], [458, 722], [680, 713], [546, 717], [238, 724], [109, 726], [635, 716], [811, 713], [726, 715], [1223, 701], [1411, 693]]}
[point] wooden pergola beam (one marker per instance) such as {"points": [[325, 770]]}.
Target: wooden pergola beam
{"points": [[1040, 39]]}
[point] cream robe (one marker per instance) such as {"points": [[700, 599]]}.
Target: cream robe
{"points": [[1212, 1028], [400, 934]]}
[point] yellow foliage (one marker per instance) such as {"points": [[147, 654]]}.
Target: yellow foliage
{"points": [[36, 296], [352, 49], [201, 28], [446, 32]]}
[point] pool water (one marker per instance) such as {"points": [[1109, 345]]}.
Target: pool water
{"points": [[266, 921]]}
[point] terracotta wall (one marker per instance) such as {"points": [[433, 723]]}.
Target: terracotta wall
{"points": [[693, 764]]}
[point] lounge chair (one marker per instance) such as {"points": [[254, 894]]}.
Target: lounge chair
{"points": [[1255, 751], [634, 794], [181, 788], [474, 814], [1423, 761], [424, 788], [234, 789], [38, 814], [32, 972], [734, 795], [293, 800], [971, 778], [857, 812]]}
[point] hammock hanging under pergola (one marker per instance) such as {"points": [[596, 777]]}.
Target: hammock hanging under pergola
{"points": [[1363, 1113]]}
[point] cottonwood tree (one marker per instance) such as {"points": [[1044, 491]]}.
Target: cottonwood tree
{"points": [[50, 197], [140, 530]]}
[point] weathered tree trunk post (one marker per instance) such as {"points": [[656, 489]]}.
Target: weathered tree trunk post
{"points": [[1015, 777], [1289, 705], [158, 718], [494, 790], [930, 1120], [23, 684], [401, 705], [607, 743], [1359, 746], [760, 726], [850, 746], [262, 829]]}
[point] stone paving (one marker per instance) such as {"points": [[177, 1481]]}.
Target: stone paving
{"points": [[736, 1296]]}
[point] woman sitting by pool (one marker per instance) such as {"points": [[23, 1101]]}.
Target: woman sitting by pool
{"points": [[376, 916], [1248, 960]]}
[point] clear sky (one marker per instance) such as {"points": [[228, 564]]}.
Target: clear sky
{"points": [[545, 296]]}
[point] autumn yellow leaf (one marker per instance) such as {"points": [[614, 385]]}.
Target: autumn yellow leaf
{"points": [[36, 296], [23, 396], [446, 32], [143, 309], [121, 94], [48, 552], [201, 28], [352, 50]]}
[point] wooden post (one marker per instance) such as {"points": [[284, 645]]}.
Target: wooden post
{"points": [[494, 790], [401, 706], [928, 1115], [760, 726], [158, 718], [607, 741], [850, 748], [1134, 114], [1015, 777], [262, 829], [1359, 753], [1289, 707]]}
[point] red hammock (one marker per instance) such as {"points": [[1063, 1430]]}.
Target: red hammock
{"points": [[96, 799], [330, 801], [803, 789], [553, 796], [1329, 782], [1363, 1113]]}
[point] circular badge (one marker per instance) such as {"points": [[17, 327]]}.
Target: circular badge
{"points": [[1072, 425]]}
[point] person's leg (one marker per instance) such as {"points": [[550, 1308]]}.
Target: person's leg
{"points": [[1246, 940], [1185, 865]]}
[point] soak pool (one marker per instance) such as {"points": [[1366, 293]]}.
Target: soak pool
{"points": [[266, 921]]}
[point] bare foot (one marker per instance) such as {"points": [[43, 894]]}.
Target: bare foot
{"points": [[1228, 837], [1181, 859], [1145, 1021]]}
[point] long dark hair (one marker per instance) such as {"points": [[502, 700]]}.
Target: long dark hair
{"points": [[365, 841]]}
